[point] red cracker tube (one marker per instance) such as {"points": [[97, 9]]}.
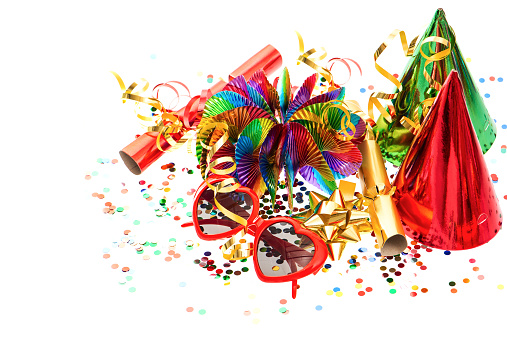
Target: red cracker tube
{"points": [[143, 151]]}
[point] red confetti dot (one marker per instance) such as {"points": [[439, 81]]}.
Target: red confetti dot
{"points": [[369, 289], [210, 268], [429, 250], [423, 268], [396, 75], [220, 271], [359, 280], [472, 261], [494, 177], [491, 78], [283, 301], [125, 269], [142, 182], [413, 294], [361, 293], [481, 277], [177, 218], [190, 309]]}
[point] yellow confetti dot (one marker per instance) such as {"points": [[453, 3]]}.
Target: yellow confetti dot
{"points": [[228, 283], [199, 73], [358, 286], [167, 189], [392, 283], [329, 292], [339, 294], [251, 296], [255, 321], [469, 60], [500, 287], [256, 310], [415, 287], [325, 270]]}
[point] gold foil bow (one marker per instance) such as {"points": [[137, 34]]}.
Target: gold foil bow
{"points": [[335, 220]]}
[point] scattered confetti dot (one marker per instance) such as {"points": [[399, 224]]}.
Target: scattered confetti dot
{"points": [[329, 292], [370, 87], [256, 310], [252, 296], [481, 277], [132, 289], [339, 294], [500, 287], [190, 309], [361, 293], [362, 90], [424, 290], [283, 301], [481, 80], [454, 290], [466, 280], [247, 313], [413, 294], [255, 321], [202, 312], [447, 252], [500, 79], [475, 268], [487, 95], [183, 284], [318, 307], [468, 60], [392, 291], [114, 266]]}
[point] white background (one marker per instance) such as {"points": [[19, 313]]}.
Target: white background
{"points": [[61, 111]]}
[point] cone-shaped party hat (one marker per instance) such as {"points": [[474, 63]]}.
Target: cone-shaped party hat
{"points": [[444, 194], [393, 138]]}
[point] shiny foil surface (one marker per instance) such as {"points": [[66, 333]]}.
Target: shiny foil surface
{"points": [[394, 139], [444, 194]]}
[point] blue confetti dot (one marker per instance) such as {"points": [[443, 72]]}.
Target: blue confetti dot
{"points": [[487, 96], [504, 126], [500, 79], [481, 80], [183, 284], [352, 261], [371, 259], [153, 56], [207, 253], [105, 250], [327, 266], [336, 289], [447, 252], [378, 254], [362, 249], [318, 307], [362, 90], [303, 188]]}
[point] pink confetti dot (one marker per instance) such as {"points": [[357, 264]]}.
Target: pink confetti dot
{"points": [[472, 261], [481, 277], [190, 309], [283, 301], [370, 87]]}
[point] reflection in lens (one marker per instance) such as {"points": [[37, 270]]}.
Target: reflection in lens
{"points": [[212, 221], [281, 251]]}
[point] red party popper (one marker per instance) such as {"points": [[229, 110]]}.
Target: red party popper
{"points": [[142, 152]]}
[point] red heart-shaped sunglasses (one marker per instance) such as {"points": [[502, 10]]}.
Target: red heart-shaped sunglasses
{"points": [[282, 249]]}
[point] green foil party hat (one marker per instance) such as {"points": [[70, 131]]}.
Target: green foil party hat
{"points": [[393, 138]]}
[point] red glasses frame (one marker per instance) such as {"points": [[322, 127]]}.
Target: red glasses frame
{"points": [[256, 226]]}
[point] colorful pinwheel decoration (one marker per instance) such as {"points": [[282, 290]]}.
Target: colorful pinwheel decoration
{"points": [[269, 130]]}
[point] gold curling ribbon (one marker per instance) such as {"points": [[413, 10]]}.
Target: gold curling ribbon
{"points": [[240, 249], [373, 100], [166, 124], [346, 121], [311, 62], [412, 126]]}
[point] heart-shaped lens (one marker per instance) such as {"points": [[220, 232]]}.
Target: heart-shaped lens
{"points": [[280, 251], [212, 221]]}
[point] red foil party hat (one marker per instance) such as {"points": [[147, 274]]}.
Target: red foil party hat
{"points": [[444, 194]]}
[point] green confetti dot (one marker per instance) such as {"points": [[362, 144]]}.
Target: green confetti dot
{"points": [[137, 222], [189, 214], [245, 269], [352, 267], [106, 189], [183, 205], [190, 172], [179, 200], [202, 312], [392, 291], [129, 278], [282, 309], [132, 289], [189, 248], [153, 109], [243, 260], [452, 283], [95, 173], [119, 209], [140, 252], [172, 240], [146, 243], [99, 160], [146, 195], [163, 201], [153, 244], [389, 280], [227, 277], [157, 252]]}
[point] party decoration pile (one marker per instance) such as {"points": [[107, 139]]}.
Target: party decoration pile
{"points": [[271, 129], [418, 87]]}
